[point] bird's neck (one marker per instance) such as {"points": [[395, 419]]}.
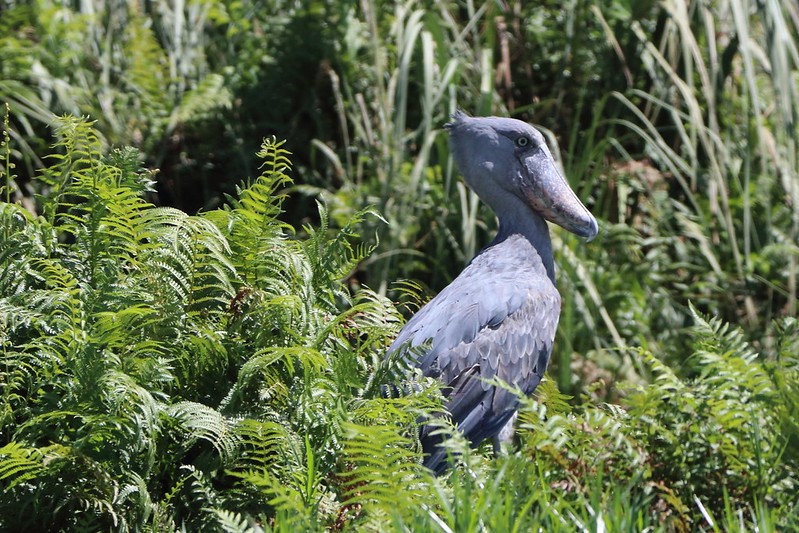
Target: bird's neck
{"points": [[519, 219]]}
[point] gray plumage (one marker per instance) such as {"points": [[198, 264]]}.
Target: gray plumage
{"points": [[498, 318]]}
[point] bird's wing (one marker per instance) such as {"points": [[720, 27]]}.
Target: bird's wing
{"points": [[487, 323]]}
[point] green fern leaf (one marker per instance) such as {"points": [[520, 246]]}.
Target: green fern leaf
{"points": [[203, 422], [19, 464]]}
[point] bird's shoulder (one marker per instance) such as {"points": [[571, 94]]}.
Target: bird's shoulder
{"points": [[501, 310]]}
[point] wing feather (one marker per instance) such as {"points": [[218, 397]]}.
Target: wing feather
{"points": [[496, 320]]}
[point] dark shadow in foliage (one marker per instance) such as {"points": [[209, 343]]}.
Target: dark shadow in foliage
{"points": [[288, 96]]}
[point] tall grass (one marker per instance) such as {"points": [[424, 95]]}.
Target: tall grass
{"points": [[140, 70], [391, 121], [720, 120], [695, 168]]}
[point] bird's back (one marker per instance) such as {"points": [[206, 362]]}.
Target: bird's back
{"points": [[497, 319]]}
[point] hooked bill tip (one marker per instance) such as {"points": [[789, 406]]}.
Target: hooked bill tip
{"points": [[592, 231], [579, 221]]}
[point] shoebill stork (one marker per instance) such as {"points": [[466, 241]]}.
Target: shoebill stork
{"points": [[498, 318]]}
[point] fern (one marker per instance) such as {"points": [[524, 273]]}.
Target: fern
{"points": [[717, 434], [87, 356], [260, 202], [23, 238], [203, 422], [333, 259], [383, 478], [197, 104], [192, 256], [19, 464], [231, 522]]}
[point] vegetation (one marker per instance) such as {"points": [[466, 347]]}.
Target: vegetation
{"points": [[201, 347]]}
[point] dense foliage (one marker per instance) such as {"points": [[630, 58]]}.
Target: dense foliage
{"points": [[212, 371], [166, 371]]}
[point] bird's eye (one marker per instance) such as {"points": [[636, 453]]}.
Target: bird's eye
{"points": [[521, 142]]}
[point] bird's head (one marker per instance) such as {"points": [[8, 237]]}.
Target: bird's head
{"points": [[497, 156]]}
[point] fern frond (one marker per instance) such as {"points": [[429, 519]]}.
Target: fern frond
{"points": [[23, 237], [136, 499], [268, 371], [281, 467], [716, 336], [264, 446], [60, 297], [664, 375], [260, 203], [137, 413], [333, 258], [19, 464], [231, 522], [79, 151], [197, 104], [193, 258], [195, 492], [383, 475], [203, 422]]}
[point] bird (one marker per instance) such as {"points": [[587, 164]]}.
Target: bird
{"points": [[497, 319]]}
